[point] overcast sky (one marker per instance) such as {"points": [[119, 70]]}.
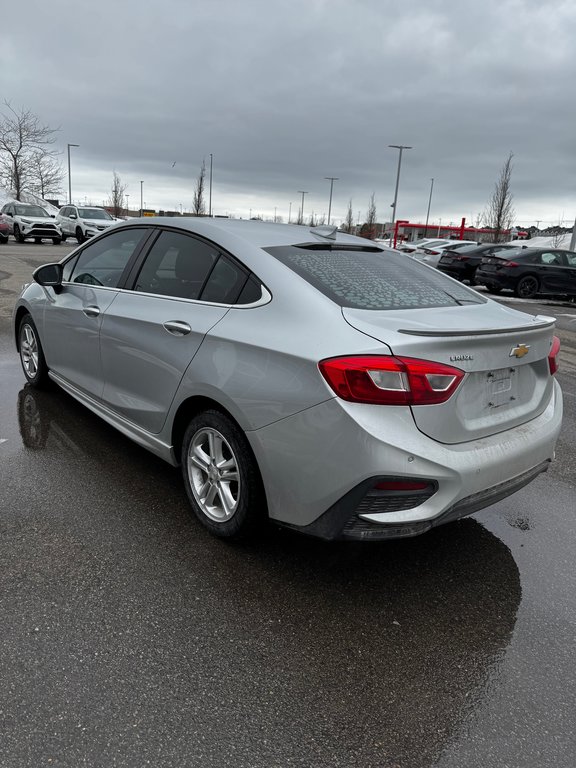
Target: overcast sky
{"points": [[284, 94]]}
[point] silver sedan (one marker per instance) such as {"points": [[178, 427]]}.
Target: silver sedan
{"points": [[299, 375]]}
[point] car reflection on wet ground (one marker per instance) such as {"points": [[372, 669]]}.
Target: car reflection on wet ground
{"points": [[135, 614]]}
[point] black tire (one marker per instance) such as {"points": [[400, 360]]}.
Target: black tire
{"points": [[494, 289], [3, 240], [227, 499], [56, 240], [527, 287], [17, 234], [31, 354], [79, 236], [38, 240], [64, 237]]}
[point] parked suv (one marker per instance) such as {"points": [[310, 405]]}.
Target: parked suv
{"points": [[83, 222], [30, 221]]}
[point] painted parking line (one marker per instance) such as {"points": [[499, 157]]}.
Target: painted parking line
{"points": [[3, 440]]}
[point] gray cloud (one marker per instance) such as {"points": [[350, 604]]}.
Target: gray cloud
{"points": [[286, 94]]}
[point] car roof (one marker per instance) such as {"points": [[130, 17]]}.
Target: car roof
{"points": [[261, 234]]}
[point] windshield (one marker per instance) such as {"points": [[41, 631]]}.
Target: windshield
{"points": [[374, 279], [94, 213], [31, 210]]}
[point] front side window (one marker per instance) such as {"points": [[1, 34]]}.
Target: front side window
{"points": [[104, 261], [373, 279]]}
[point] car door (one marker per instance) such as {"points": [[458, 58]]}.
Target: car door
{"points": [[570, 272], [551, 272], [64, 221], [151, 333], [73, 316]]}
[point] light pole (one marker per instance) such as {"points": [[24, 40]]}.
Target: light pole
{"points": [[70, 175], [401, 147], [428, 211], [127, 207], [141, 198], [210, 195], [275, 209], [300, 192], [331, 179], [289, 213]]}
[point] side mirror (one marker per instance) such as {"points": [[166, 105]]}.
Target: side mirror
{"points": [[50, 275], [72, 216], [52, 216], [8, 213]]}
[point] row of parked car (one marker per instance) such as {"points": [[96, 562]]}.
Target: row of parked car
{"points": [[25, 221], [501, 266]]}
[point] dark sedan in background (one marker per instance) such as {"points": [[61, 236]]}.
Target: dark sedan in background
{"points": [[530, 271], [463, 264]]}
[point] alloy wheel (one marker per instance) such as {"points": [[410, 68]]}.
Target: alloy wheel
{"points": [[29, 351], [214, 474]]}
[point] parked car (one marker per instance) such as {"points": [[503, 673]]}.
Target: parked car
{"points": [[463, 264], [431, 254], [529, 272], [83, 222], [299, 374], [410, 247], [27, 222], [4, 231]]}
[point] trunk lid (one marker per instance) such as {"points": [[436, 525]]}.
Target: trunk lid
{"points": [[503, 352]]}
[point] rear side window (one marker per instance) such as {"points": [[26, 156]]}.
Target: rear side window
{"points": [[177, 265], [374, 279], [225, 282]]}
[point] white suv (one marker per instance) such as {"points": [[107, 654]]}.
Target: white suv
{"points": [[26, 221], [82, 222]]}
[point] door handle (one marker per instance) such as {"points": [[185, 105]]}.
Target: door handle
{"points": [[91, 311], [177, 327]]}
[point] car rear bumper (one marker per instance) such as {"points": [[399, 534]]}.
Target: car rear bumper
{"points": [[317, 483], [491, 278]]}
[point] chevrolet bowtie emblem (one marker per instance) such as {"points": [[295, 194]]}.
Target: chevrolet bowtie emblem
{"points": [[519, 351]]}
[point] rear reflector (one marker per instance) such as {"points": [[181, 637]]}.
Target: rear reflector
{"points": [[402, 485], [388, 380], [553, 355]]}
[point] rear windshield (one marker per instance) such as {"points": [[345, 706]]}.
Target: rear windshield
{"points": [[374, 279]]}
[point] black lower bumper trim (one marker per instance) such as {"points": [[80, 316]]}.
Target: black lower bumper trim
{"points": [[341, 521]]}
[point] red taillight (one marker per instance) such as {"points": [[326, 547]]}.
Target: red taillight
{"points": [[462, 258], [553, 355], [383, 380], [510, 264], [430, 252]]}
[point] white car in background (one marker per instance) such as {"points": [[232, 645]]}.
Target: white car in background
{"points": [[30, 222], [83, 221]]}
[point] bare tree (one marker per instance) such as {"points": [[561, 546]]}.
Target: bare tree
{"points": [[116, 199], [558, 233], [499, 215], [22, 136], [348, 224], [312, 222], [46, 174], [369, 227], [198, 200]]}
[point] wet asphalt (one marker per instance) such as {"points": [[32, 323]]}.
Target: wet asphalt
{"points": [[130, 637]]}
